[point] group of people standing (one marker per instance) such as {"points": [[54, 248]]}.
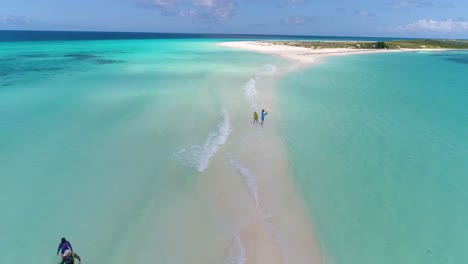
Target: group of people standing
{"points": [[263, 114]]}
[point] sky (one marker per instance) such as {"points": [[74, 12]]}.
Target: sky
{"points": [[381, 18]]}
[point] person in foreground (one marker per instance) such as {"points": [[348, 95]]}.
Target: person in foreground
{"points": [[63, 246], [255, 117], [264, 113], [68, 257]]}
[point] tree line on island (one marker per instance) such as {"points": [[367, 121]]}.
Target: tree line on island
{"points": [[392, 44]]}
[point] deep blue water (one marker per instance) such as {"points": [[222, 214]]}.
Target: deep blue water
{"points": [[13, 35]]}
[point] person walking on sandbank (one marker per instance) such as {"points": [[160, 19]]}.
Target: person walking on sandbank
{"points": [[255, 117], [264, 113]]}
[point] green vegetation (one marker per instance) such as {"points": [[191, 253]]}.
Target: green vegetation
{"points": [[381, 45], [395, 44], [427, 44]]}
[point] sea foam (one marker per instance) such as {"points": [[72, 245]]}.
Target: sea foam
{"points": [[250, 93], [267, 70], [250, 179], [275, 235], [237, 253], [198, 155], [250, 88]]}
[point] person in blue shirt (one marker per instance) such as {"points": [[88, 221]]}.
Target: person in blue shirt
{"points": [[63, 246], [263, 114]]}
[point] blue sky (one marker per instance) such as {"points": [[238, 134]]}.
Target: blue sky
{"points": [[394, 18]]}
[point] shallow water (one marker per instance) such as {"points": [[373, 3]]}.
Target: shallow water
{"points": [[95, 137], [103, 142], [378, 144]]}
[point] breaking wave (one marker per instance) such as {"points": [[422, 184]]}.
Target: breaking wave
{"points": [[274, 233], [198, 155], [250, 93], [250, 89], [267, 70], [250, 179], [237, 253]]}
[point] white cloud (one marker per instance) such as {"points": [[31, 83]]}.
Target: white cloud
{"points": [[445, 26], [402, 4], [9, 19], [296, 20], [363, 13], [223, 9], [341, 11], [163, 4], [296, 1], [188, 13], [205, 3], [407, 4], [202, 9]]}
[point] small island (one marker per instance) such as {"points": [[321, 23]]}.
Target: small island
{"points": [[369, 45], [311, 52]]}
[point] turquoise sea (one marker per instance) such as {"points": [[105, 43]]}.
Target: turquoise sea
{"points": [[379, 145], [98, 137]]}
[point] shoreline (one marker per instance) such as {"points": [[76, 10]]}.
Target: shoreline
{"points": [[279, 228], [304, 55], [285, 214], [245, 205], [255, 195], [275, 224]]}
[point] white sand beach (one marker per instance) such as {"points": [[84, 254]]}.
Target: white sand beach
{"points": [[254, 181], [248, 186], [249, 178], [298, 54], [246, 208], [305, 55]]}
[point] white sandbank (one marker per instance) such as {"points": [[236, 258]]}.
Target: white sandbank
{"points": [[272, 225], [246, 208], [304, 55]]}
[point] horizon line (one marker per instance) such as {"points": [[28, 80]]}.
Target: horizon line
{"points": [[201, 33], [227, 34]]}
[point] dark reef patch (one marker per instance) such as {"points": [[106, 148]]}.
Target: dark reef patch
{"points": [[34, 56], [82, 56], [97, 59], [24, 65], [106, 61], [461, 58]]}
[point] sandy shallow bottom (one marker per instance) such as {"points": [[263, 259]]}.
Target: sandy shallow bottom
{"points": [[249, 183], [245, 207]]}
